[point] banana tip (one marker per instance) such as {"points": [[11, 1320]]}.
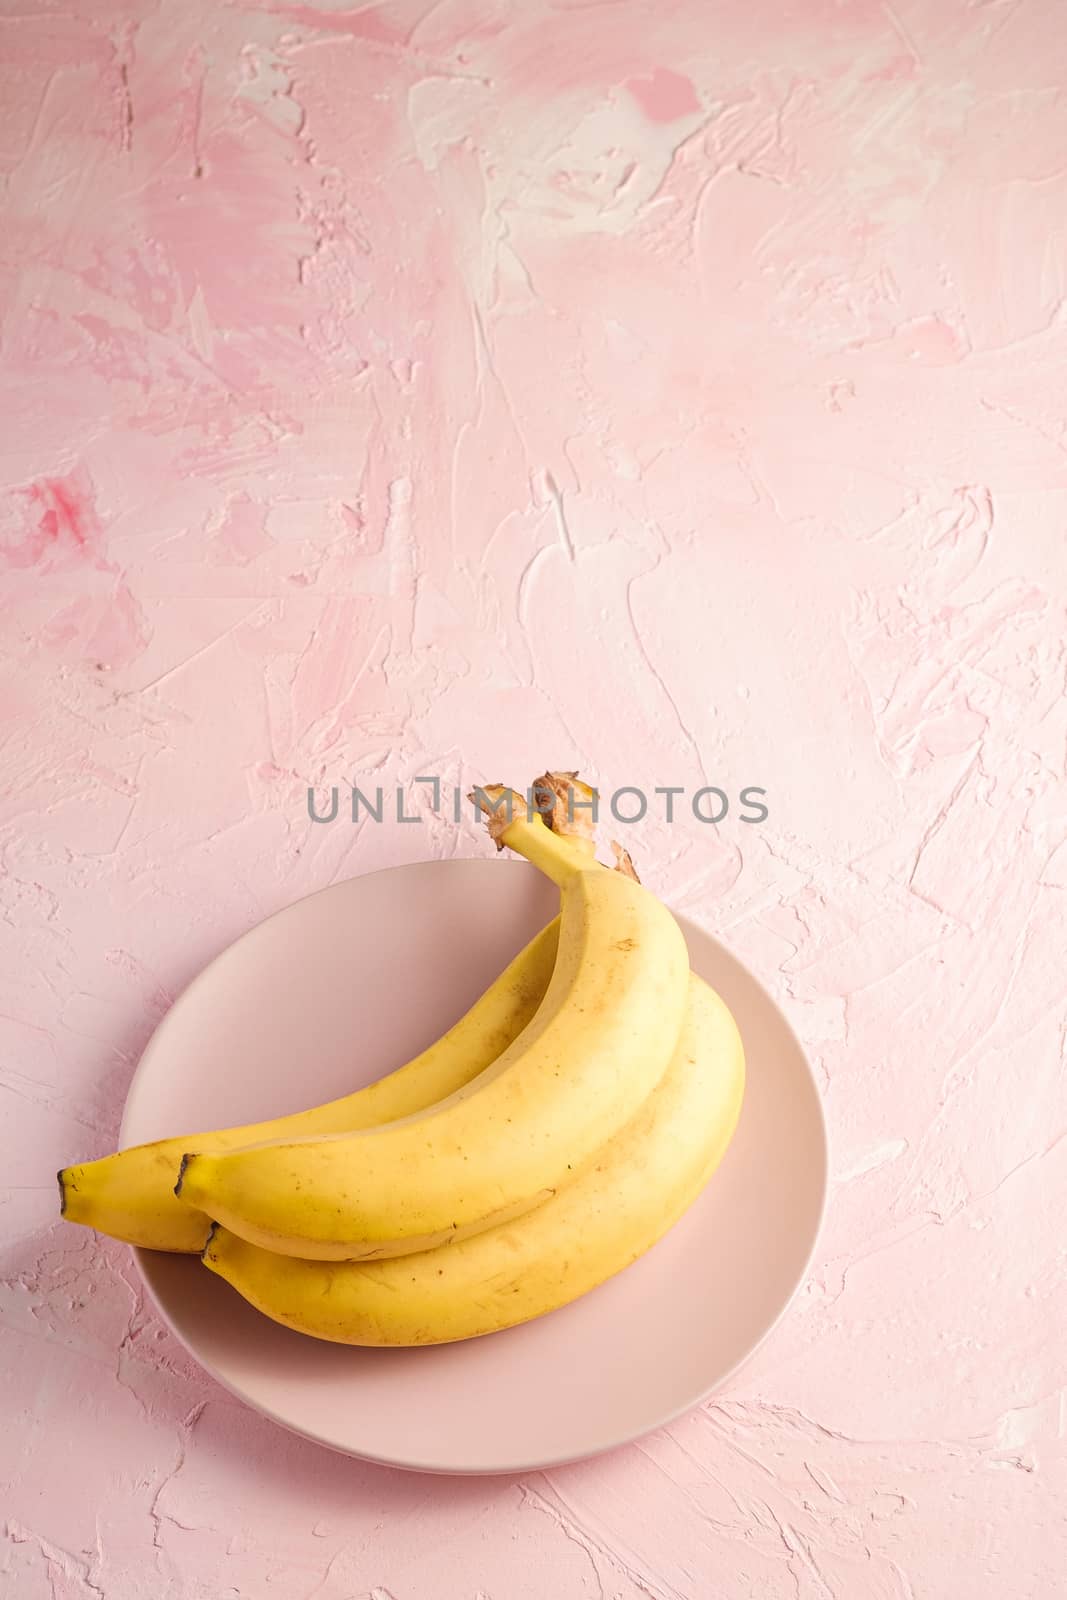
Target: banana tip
{"points": [[62, 1191], [205, 1255]]}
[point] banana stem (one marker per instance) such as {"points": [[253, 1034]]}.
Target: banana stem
{"points": [[559, 858], [562, 817]]}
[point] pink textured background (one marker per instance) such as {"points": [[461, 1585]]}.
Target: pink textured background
{"points": [[674, 390]]}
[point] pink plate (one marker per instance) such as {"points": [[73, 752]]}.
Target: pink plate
{"points": [[345, 985]]}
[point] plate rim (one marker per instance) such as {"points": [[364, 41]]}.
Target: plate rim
{"points": [[143, 1257]]}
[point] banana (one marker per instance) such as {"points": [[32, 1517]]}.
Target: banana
{"points": [[595, 1226], [509, 1139], [131, 1195]]}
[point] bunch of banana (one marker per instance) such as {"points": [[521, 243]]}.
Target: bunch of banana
{"points": [[591, 1228], [544, 1143]]}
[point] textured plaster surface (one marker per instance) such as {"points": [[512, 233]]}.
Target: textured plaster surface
{"points": [[672, 390]]}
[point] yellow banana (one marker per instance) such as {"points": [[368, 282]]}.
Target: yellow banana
{"points": [[595, 1226], [595, 1049], [131, 1195]]}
